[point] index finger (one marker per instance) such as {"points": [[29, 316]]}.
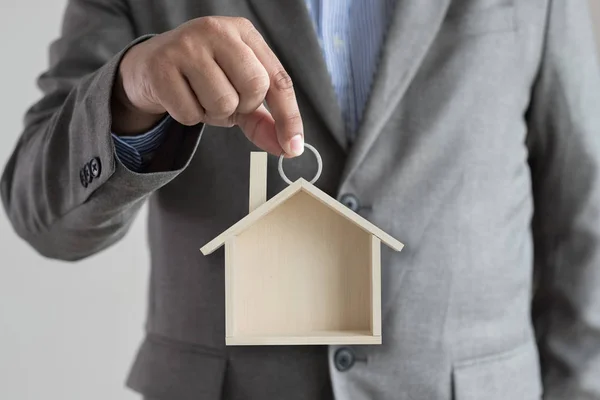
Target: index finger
{"points": [[280, 97]]}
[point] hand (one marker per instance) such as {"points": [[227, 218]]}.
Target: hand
{"points": [[216, 70]]}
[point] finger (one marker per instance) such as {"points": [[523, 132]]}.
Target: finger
{"points": [[224, 122], [259, 128], [174, 94], [280, 96], [245, 72], [212, 88]]}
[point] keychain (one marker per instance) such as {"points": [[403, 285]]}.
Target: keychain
{"points": [[319, 165]]}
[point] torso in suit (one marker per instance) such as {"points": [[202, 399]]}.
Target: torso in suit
{"points": [[478, 149]]}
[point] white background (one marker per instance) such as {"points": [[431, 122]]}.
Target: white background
{"points": [[67, 331]]}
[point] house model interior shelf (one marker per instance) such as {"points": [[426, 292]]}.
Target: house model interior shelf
{"points": [[301, 268]]}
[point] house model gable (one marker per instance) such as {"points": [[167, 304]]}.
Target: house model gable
{"points": [[300, 185], [301, 268]]}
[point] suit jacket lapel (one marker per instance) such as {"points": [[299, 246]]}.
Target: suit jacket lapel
{"points": [[288, 29], [412, 31]]}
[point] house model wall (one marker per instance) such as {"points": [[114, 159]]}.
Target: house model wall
{"points": [[301, 269]]}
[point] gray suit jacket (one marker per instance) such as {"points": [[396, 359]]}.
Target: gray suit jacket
{"points": [[479, 149]]}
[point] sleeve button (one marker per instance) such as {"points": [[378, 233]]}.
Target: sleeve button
{"points": [[83, 178], [95, 167]]}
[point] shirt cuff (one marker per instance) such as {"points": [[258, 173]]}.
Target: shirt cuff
{"points": [[135, 152]]}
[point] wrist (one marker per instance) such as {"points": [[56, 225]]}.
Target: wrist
{"points": [[127, 119]]}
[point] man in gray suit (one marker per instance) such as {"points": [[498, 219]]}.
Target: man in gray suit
{"points": [[468, 129]]}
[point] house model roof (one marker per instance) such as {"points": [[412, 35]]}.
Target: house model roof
{"points": [[281, 197]]}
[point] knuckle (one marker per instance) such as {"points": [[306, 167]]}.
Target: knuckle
{"points": [[252, 36], [257, 86], [244, 23], [282, 81], [253, 94], [210, 24], [191, 117], [225, 106], [188, 41]]}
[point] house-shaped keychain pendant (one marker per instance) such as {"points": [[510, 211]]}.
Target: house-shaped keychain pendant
{"points": [[301, 268]]}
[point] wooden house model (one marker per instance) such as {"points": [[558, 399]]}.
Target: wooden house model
{"points": [[301, 268]]}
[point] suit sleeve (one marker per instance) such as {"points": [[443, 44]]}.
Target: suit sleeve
{"points": [[564, 142], [63, 188]]}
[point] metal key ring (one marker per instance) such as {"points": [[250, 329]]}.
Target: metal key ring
{"points": [[319, 165]]}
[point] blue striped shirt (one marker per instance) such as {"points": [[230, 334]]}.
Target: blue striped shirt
{"points": [[350, 33], [135, 152]]}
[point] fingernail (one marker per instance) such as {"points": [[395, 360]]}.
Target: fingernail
{"points": [[296, 145]]}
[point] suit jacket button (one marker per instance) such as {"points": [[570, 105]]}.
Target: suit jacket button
{"points": [[95, 167], [344, 359], [350, 201]]}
